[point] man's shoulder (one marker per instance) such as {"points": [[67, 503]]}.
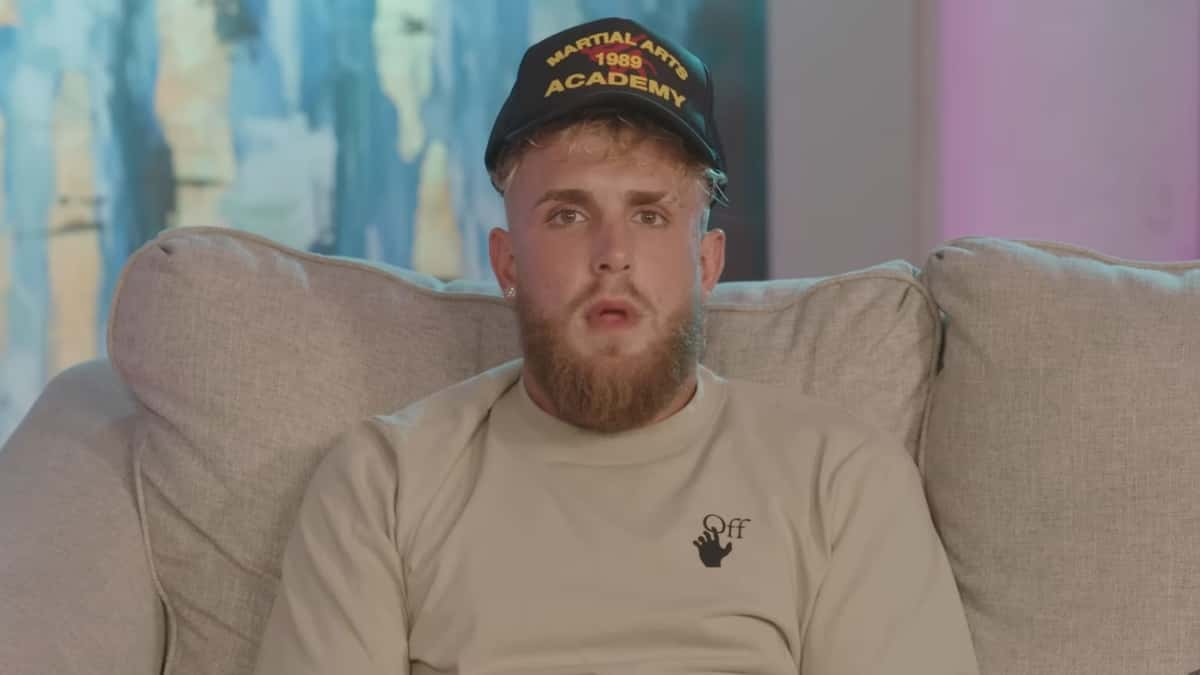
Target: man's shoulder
{"points": [[791, 402], [807, 434], [790, 411], [431, 431], [450, 413]]}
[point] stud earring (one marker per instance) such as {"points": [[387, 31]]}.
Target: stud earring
{"points": [[510, 292]]}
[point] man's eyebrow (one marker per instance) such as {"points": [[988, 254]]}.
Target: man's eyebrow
{"points": [[642, 197], [578, 196], [566, 195]]}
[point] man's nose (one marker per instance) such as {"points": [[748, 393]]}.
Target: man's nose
{"points": [[611, 244]]}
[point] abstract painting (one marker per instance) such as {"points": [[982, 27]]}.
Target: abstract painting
{"points": [[347, 127]]}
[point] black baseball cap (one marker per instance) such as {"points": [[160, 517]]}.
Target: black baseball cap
{"points": [[610, 63]]}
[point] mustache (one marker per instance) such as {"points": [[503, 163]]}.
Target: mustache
{"points": [[622, 289]]}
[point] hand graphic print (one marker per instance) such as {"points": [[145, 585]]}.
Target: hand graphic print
{"points": [[709, 545]]}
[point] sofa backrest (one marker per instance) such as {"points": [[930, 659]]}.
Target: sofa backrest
{"points": [[248, 359], [1062, 456]]}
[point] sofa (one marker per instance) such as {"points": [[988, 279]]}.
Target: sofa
{"points": [[1049, 395]]}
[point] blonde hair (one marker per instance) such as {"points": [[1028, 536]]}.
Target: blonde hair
{"points": [[626, 130]]}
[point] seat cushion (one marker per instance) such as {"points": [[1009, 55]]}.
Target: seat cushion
{"points": [[1062, 456], [250, 358]]}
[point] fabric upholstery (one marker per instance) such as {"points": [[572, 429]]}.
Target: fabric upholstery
{"points": [[250, 358], [76, 596], [1062, 456]]}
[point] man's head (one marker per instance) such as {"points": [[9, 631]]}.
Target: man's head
{"points": [[608, 249]]}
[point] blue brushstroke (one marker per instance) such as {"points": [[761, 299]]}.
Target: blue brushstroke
{"points": [[316, 62], [135, 179], [357, 111], [255, 82], [339, 91], [33, 79], [467, 92], [376, 190]]}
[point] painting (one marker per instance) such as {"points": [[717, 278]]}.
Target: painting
{"points": [[346, 127]]}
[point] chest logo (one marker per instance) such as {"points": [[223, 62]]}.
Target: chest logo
{"points": [[709, 545]]}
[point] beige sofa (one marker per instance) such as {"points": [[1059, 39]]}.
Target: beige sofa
{"points": [[1050, 396]]}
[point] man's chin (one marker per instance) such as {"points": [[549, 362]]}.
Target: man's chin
{"points": [[609, 346], [614, 361], [611, 393]]}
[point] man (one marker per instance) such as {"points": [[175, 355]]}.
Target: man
{"points": [[607, 505]]}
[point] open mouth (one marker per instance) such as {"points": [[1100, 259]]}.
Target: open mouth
{"points": [[611, 314]]}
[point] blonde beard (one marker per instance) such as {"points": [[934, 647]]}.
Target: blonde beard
{"points": [[605, 394]]}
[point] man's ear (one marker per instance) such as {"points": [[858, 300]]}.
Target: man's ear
{"points": [[504, 263], [712, 259]]}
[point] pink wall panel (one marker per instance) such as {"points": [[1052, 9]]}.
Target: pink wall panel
{"points": [[1072, 120]]}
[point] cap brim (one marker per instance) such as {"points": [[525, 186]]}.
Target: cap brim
{"points": [[628, 99]]}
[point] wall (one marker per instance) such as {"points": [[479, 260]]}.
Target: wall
{"points": [[897, 125], [842, 110], [1074, 120]]}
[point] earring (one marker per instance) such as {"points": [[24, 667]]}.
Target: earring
{"points": [[510, 292]]}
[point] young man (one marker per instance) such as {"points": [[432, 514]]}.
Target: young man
{"points": [[606, 504]]}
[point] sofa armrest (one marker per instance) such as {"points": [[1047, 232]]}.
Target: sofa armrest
{"points": [[78, 596]]}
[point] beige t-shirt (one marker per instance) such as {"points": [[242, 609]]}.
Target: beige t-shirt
{"points": [[757, 530]]}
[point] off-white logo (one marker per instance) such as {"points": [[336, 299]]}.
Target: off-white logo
{"points": [[709, 543]]}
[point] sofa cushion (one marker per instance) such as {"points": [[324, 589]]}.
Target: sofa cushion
{"points": [[250, 358], [1062, 456], [76, 596]]}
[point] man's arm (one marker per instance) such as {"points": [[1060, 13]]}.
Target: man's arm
{"points": [[340, 605], [888, 602]]}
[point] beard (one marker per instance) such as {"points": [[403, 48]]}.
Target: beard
{"points": [[606, 392]]}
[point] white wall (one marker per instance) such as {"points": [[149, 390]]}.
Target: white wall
{"points": [[842, 110]]}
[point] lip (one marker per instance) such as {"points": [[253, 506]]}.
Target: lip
{"points": [[610, 309]]}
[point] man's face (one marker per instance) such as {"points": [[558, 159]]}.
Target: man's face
{"points": [[611, 272]]}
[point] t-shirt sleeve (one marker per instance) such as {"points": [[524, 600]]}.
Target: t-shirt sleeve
{"points": [[888, 602], [340, 602]]}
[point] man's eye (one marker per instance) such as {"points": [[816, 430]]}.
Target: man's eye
{"points": [[652, 218], [566, 217]]}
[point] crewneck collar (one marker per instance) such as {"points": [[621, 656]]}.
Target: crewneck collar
{"points": [[519, 422]]}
